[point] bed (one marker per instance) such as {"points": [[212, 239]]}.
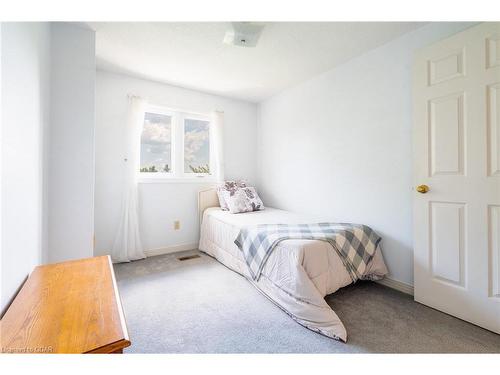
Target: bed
{"points": [[297, 275]]}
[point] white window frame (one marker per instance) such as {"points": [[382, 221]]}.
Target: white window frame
{"points": [[177, 173]]}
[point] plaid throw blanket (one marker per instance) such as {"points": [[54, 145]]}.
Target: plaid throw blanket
{"points": [[354, 243]]}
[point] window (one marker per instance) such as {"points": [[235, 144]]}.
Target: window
{"points": [[156, 143], [196, 146], [175, 145]]}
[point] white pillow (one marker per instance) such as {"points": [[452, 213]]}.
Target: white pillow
{"points": [[243, 199], [231, 187]]}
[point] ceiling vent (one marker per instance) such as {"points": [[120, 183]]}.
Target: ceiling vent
{"points": [[244, 34]]}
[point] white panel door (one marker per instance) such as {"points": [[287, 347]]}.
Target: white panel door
{"points": [[457, 175]]}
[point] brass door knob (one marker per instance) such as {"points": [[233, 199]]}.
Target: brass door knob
{"points": [[422, 189]]}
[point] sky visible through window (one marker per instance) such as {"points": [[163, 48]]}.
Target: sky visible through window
{"points": [[156, 143], [196, 146]]}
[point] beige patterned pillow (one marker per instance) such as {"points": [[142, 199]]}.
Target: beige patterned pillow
{"points": [[231, 187], [243, 199]]}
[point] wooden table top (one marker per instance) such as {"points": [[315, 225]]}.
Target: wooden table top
{"points": [[68, 307]]}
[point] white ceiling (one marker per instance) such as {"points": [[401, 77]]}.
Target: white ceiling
{"points": [[192, 55]]}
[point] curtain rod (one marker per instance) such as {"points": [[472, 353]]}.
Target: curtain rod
{"points": [[133, 96]]}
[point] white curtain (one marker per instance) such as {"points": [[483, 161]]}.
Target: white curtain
{"points": [[218, 129], [127, 245]]}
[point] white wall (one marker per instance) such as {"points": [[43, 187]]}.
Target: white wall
{"points": [[71, 157], [161, 204], [340, 145], [25, 72]]}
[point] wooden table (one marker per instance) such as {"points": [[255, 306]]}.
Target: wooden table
{"points": [[69, 307]]}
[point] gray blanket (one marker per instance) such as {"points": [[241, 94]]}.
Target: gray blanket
{"points": [[354, 243]]}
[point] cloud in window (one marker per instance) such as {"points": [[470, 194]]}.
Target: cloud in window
{"points": [[155, 134], [193, 142]]}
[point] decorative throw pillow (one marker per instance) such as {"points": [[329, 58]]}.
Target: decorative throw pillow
{"points": [[243, 199], [231, 187]]}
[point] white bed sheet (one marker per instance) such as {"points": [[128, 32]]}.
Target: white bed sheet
{"points": [[297, 275]]}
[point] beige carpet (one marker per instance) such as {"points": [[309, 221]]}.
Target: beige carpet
{"points": [[200, 306]]}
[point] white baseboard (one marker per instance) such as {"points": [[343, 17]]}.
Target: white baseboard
{"points": [[398, 285], [171, 249]]}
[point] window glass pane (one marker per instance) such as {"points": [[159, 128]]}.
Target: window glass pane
{"points": [[196, 146], [156, 143]]}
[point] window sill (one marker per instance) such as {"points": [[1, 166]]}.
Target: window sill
{"points": [[174, 180]]}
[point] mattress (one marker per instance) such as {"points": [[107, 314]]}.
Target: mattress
{"points": [[298, 274]]}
